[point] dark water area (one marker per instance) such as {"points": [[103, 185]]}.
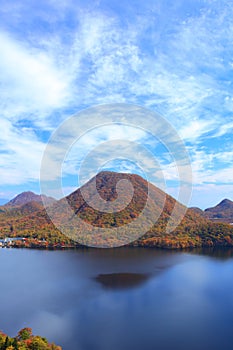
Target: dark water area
{"points": [[127, 298]]}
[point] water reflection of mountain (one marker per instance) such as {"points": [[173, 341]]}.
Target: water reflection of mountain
{"points": [[131, 268], [121, 280], [127, 268], [221, 253]]}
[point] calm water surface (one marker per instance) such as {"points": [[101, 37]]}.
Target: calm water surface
{"points": [[120, 299]]}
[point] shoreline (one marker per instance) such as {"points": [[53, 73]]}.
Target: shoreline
{"points": [[131, 246]]}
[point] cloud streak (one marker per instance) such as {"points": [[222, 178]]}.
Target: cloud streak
{"points": [[58, 58]]}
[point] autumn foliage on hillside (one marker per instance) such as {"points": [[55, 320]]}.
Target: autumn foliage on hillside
{"points": [[25, 340], [32, 221]]}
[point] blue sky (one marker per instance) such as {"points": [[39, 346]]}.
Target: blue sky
{"points": [[172, 57]]}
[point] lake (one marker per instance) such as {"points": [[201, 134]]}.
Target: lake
{"points": [[120, 299]]}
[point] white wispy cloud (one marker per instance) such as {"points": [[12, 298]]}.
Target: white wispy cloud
{"points": [[30, 83], [21, 154], [224, 129], [64, 57], [206, 167], [195, 129]]}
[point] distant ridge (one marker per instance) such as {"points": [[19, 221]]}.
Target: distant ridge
{"points": [[27, 197], [221, 212]]}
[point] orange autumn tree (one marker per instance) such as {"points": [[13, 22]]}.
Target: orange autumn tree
{"points": [[25, 340]]}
